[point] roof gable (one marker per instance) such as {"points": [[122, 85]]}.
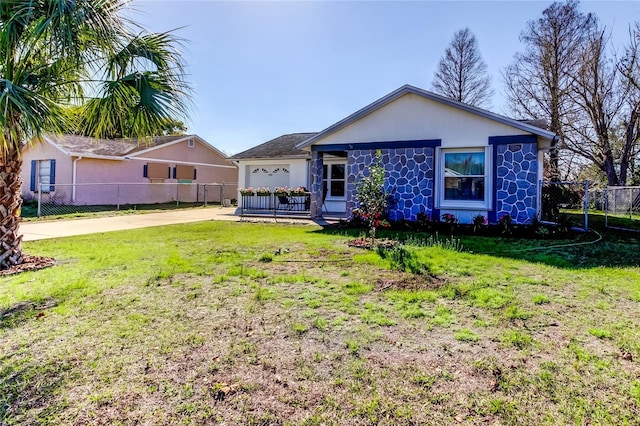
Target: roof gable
{"points": [[281, 147], [161, 143], [74, 145], [411, 90]]}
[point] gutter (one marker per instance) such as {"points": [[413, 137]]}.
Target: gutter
{"points": [[74, 178]]}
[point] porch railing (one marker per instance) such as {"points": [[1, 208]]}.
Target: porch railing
{"points": [[275, 204]]}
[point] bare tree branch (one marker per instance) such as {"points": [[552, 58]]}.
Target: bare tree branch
{"points": [[462, 74]]}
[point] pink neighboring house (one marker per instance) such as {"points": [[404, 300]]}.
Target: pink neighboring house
{"points": [[65, 166]]}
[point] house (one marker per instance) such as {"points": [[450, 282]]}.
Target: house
{"points": [[77, 170], [440, 157]]}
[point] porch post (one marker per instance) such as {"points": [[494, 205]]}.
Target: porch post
{"points": [[317, 161]]}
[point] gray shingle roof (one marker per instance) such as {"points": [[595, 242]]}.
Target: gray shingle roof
{"points": [[282, 146], [108, 147]]}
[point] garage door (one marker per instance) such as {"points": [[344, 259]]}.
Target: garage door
{"points": [[269, 176]]}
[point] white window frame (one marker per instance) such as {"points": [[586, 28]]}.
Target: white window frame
{"points": [[464, 204], [43, 180], [327, 179]]}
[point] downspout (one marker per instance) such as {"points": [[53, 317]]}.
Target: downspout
{"points": [[74, 178]]}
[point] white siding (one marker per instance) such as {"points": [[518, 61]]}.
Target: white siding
{"points": [[413, 117], [298, 172]]}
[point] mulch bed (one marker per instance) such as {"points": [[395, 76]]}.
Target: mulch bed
{"points": [[403, 281], [369, 243], [30, 263]]}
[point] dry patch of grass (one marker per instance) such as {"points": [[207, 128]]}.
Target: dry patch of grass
{"points": [[298, 328]]}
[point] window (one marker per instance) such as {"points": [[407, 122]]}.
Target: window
{"points": [[156, 171], [184, 172], [464, 176], [191, 143], [463, 181], [334, 180], [43, 175]]}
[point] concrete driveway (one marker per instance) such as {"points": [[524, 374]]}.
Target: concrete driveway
{"points": [[38, 230]]}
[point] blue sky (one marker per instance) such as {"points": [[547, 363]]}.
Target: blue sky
{"points": [[262, 69]]}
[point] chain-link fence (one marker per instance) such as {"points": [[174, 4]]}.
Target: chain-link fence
{"points": [[620, 206], [79, 198], [566, 204]]}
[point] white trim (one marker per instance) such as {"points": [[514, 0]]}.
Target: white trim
{"points": [[97, 157], [74, 178], [329, 163], [443, 204], [55, 145], [157, 160], [180, 140]]}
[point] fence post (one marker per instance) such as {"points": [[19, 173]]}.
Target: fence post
{"points": [[605, 202], [586, 205], [118, 197], [40, 200], [540, 200], [222, 195], [630, 204]]}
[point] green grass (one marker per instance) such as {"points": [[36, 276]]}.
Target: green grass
{"points": [[466, 335], [29, 210], [185, 325]]}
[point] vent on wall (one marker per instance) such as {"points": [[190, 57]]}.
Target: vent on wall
{"points": [[191, 143]]}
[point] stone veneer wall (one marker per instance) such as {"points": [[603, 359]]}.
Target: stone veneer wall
{"points": [[317, 161], [409, 177], [516, 181]]}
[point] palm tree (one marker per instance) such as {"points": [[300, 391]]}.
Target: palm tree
{"points": [[56, 54]]}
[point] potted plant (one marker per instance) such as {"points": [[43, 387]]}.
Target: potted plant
{"points": [[301, 190], [245, 192], [280, 191], [263, 192]]}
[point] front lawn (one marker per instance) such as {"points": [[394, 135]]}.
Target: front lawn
{"points": [[239, 323]]}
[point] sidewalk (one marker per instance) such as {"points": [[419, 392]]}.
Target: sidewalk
{"points": [[36, 230]]}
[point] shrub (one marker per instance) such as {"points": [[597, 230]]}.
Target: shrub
{"points": [[372, 197]]}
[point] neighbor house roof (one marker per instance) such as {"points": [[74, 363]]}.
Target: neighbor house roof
{"points": [[282, 147], [106, 147], [406, 89], [115, 148]]}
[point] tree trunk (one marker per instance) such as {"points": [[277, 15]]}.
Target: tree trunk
{"points": [[10, 205], [608, 167], [631, 138]]}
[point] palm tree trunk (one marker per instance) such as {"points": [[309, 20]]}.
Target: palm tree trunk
{"points": [[10, 205]]}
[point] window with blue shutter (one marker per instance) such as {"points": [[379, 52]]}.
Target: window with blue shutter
{"points": [[42, 175]]}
